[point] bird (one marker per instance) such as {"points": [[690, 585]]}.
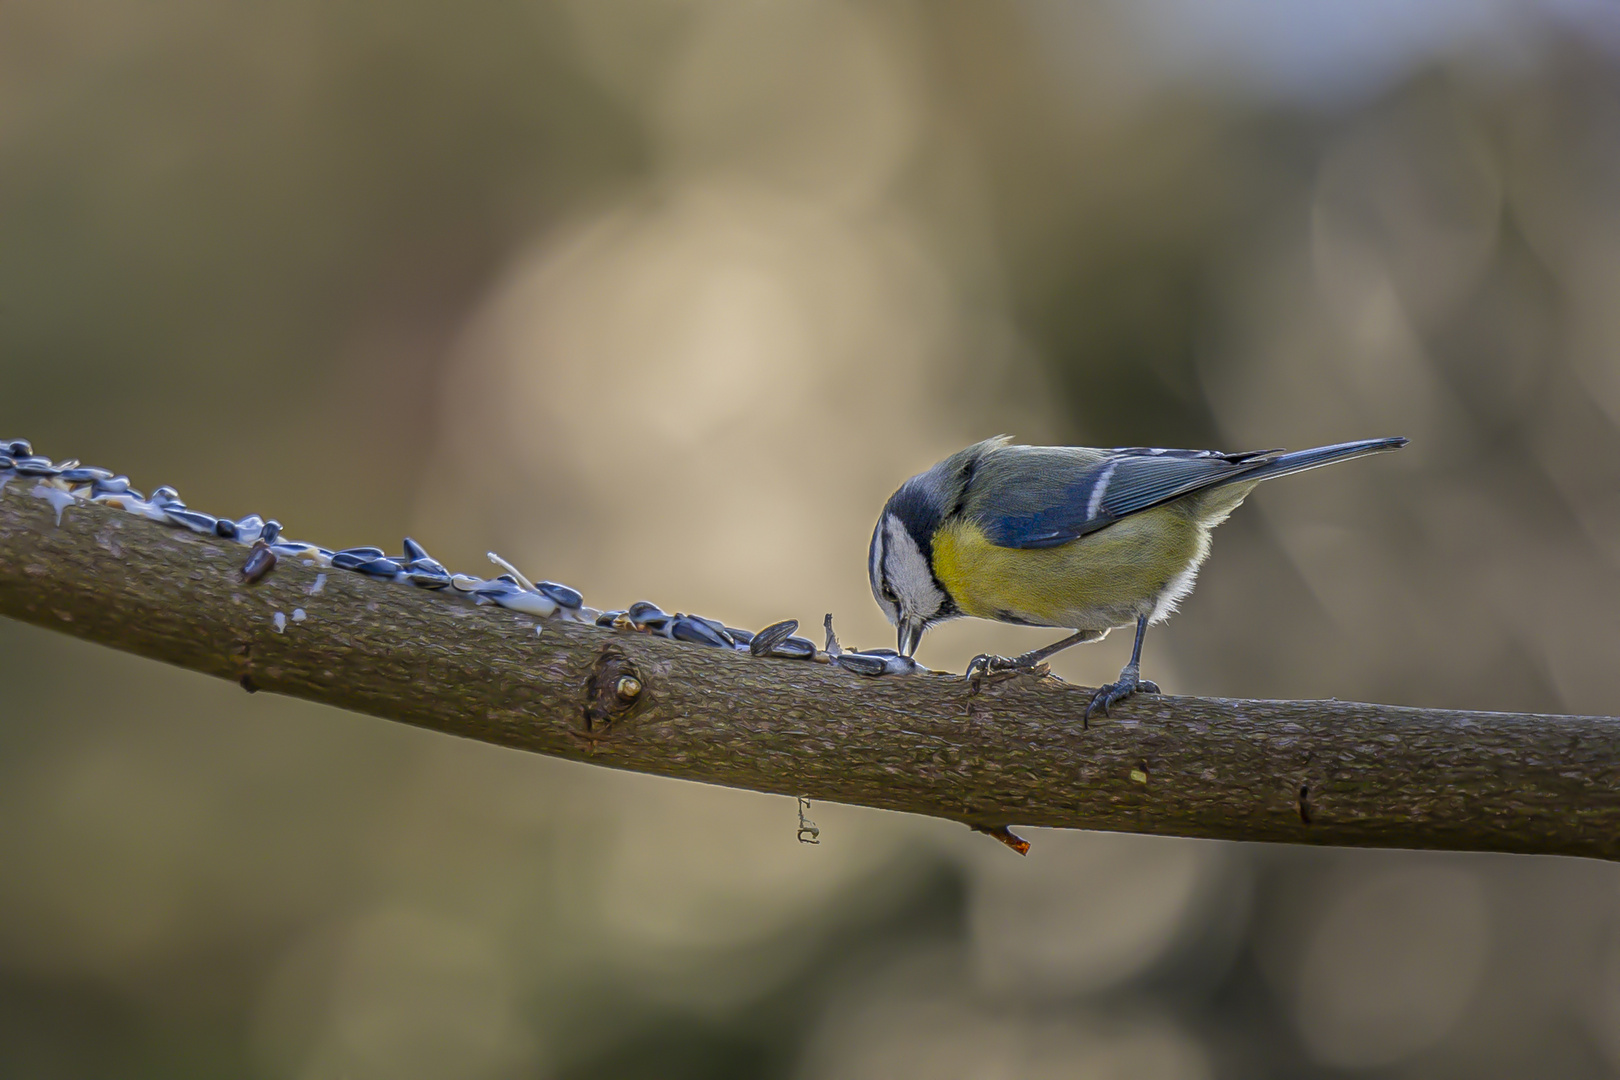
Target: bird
{"points": [[1070, 537]]}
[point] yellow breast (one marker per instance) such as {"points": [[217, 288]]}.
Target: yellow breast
{"points": [[1097, 582]]}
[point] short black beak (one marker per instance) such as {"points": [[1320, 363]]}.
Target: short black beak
{"points": [[911, 632]]}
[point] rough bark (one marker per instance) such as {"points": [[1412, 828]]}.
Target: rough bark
{"points": [[1315, 772]]}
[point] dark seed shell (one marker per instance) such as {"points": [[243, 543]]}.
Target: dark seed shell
{"points": [[794, 648], [194, 520], [85, 474], [117, 487], [863, 663], [697, 631], [561, 595], [34, 466], [767, 639]]}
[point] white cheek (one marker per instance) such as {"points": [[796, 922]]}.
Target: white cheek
{"points": [[908, 572]]}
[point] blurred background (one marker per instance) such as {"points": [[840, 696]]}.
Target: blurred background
{"points": [[662, 299]]}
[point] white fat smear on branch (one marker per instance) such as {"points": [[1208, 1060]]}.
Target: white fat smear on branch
{"points": [[60, 500]]}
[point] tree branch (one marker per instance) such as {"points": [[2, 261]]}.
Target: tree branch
{"points": [[1316, 772]]}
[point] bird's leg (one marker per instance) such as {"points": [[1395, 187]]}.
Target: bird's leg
{"points": [[1129, 681], [986, 664]]}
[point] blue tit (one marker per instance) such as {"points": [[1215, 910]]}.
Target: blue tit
{"points": [[1064, 536]]}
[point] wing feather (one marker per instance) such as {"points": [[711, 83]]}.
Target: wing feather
{"points": [[1034, 497]]}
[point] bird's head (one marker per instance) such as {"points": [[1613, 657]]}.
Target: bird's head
{"points": [[901, 560]]}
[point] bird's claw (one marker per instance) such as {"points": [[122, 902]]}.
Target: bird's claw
{"points": [[995, 668], [1113, 693]]}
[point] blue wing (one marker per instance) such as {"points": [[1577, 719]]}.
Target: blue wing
{"points": [[1046, 496]]}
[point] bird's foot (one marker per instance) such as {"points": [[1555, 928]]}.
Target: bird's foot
{"points": [[996, 668], [1113, 693]]}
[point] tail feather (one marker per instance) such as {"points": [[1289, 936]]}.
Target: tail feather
{"points": [[1300, 460]]}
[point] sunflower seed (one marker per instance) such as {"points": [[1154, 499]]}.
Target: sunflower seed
{"points": [[194, 520], [794, 648], [862, 663], [767, 639], [84, 474], [34, 466], [427, 579], [561, 595], [118, 485], [692, 629]]}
